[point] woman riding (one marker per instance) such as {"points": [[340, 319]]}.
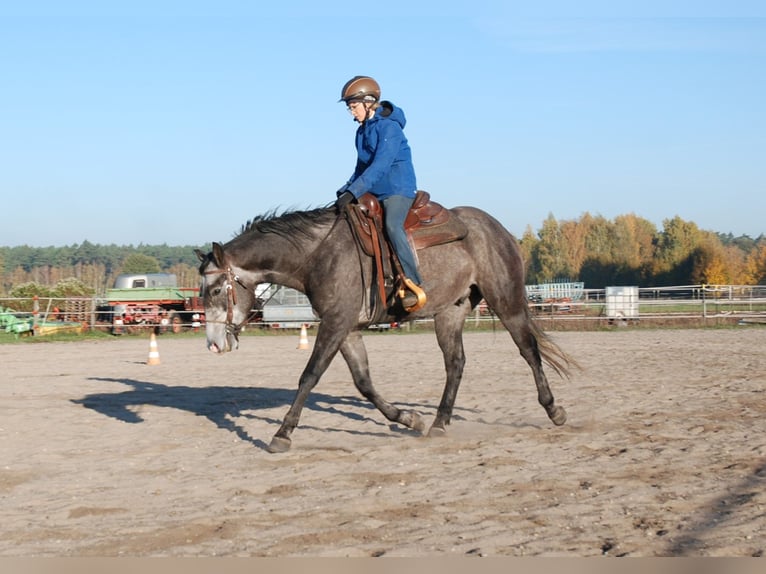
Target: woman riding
{"points": [[384, 169]]}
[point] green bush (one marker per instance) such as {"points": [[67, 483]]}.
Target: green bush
{"points": [[71, 287]]}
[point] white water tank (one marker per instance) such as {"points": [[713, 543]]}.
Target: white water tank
{"points": [[622, 302]]}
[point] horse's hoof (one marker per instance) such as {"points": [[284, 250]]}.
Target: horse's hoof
{"points": [[558, 415], [279, 444], [412, 420], [437, 432]]}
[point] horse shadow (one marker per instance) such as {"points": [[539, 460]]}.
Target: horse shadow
{"points": [[224, 405]]}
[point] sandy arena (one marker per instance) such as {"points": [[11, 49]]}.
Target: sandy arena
{"points": [[664, 453]]}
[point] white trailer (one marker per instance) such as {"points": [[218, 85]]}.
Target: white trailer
{"points": [[285, 308]]}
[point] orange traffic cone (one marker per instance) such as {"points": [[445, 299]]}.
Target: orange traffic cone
{"points": [[154, 354], [304, 342]]}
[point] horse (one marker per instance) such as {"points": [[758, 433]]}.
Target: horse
{"points": [[315, 252]]}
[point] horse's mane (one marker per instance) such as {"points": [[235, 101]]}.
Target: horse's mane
{"points": [[289, 223]]}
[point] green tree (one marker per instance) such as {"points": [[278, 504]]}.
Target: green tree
{"points": [[528, 246], [600, 264], [599, 238], [549, 253], [675, 246], [140, 263], [634, 237]]}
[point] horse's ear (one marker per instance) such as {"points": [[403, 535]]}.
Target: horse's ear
{"points": [[218, 256], [201, 256]]}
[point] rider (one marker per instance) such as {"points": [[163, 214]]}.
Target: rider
{"points": [[384, 169]]}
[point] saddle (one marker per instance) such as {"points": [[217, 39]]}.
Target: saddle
{"points": [[427, 224]]}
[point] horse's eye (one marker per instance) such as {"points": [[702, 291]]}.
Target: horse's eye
{"points": [[216, 291]]}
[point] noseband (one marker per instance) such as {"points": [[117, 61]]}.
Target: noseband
{"points": [[231, 300]]}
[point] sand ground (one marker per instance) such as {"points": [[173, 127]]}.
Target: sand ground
{"points": [[664, 453]]}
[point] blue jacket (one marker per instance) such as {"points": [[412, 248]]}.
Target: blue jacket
{"points": [[384, 160]]}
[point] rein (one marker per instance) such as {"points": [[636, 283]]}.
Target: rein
{"points": [[311, 255]]}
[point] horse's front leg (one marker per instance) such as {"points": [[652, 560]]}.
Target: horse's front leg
{"points": [[325, 348], [355, 354]]}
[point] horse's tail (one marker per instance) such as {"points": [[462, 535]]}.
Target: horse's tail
{"points": [[553, 355]]}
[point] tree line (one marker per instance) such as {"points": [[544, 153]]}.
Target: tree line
{"points": [[626, 250], [89, 269], [630, 250]]}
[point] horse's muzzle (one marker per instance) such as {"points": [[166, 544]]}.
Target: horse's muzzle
{"points": [[230, 343]]}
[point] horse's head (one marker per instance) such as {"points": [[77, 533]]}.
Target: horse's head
{"points": [[228, 302]]}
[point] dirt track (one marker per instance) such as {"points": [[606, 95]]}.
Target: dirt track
{"points": [[664, 452]]}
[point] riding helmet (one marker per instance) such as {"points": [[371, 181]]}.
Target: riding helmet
{"points": [[360, 88]]}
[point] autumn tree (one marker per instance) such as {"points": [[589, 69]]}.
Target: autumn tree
{"points": [[600, 252], [186, 275], [709, 261], [755, 266], [573, 245]]}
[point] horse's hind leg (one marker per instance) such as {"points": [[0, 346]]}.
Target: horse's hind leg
{"points": [[355, 354], [449, 334], [524, 335]]}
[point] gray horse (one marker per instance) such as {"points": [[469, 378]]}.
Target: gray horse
{"points": [[315, 252]]}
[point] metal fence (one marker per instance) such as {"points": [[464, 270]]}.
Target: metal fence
{"points": [[700, 304], [697, 304], [45, 315], [673, 305]]}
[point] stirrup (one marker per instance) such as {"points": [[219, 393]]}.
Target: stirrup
{"points": [[417, 291]]}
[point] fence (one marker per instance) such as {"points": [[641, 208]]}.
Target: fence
{"points": [[689, 304], [46, 315], [563, 290], [703, 305]]}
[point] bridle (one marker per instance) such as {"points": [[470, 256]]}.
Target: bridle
{"points": [[231, 300], [232, 278]]}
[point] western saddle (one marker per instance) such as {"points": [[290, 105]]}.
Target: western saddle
{"points": [[428, 223]]}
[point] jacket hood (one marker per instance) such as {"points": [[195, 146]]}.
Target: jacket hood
{"points": [[391, 112]]}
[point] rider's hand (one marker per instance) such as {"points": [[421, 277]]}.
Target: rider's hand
{"points": [[344, 198]]}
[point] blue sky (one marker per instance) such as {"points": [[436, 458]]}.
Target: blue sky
{"points": [[175, 122]]}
